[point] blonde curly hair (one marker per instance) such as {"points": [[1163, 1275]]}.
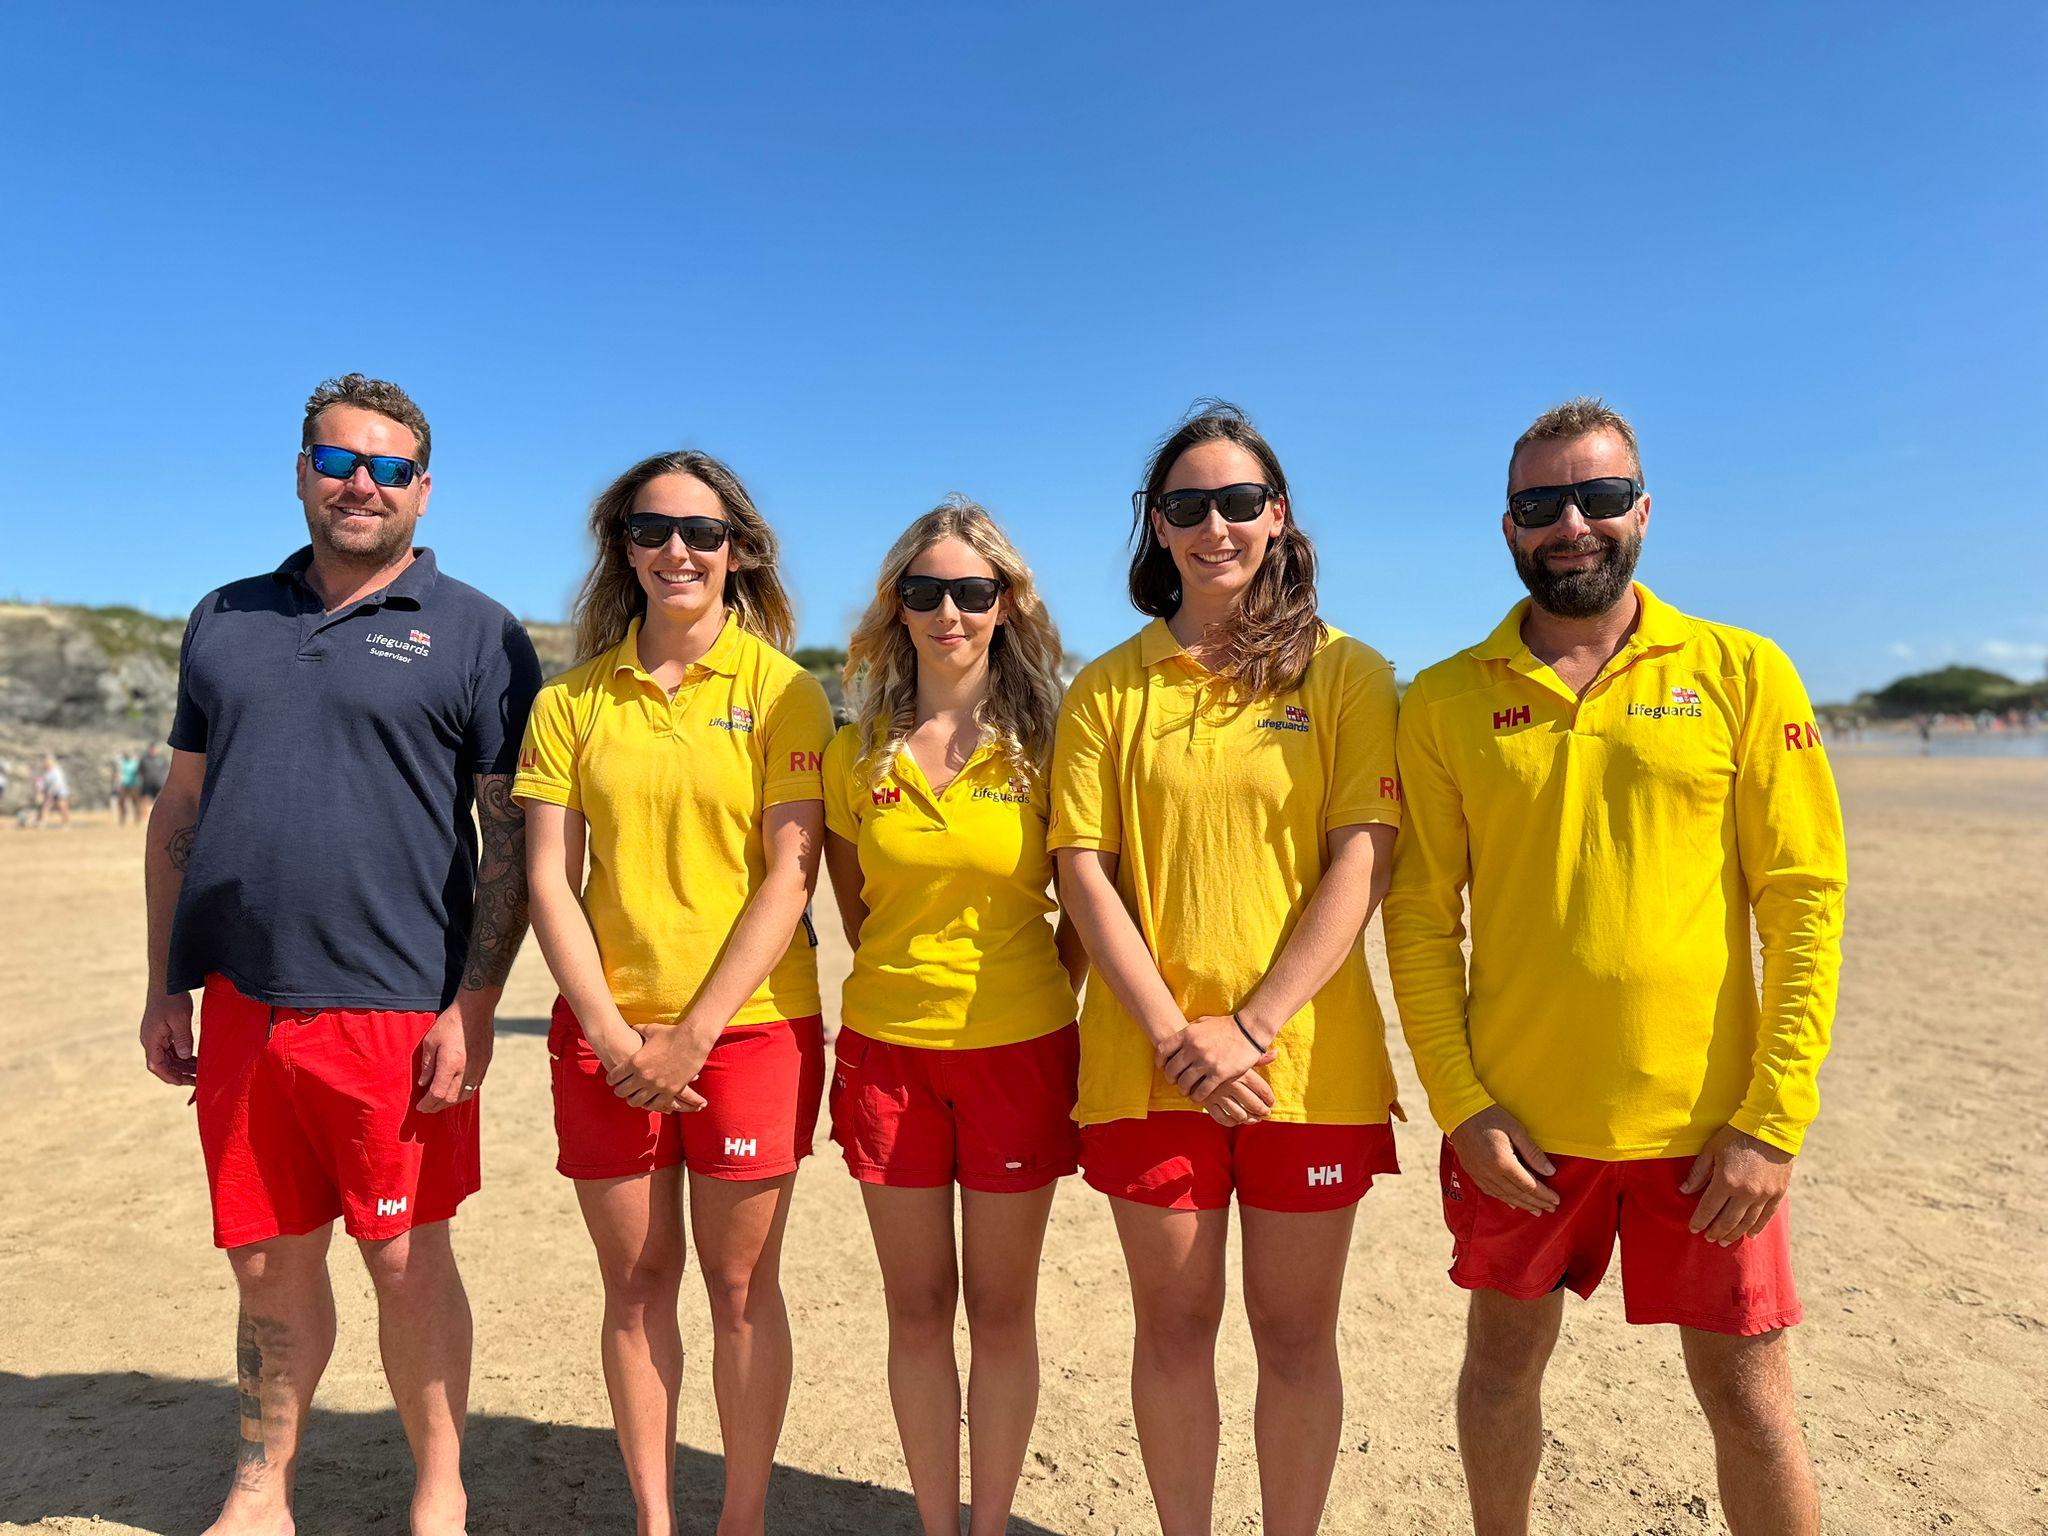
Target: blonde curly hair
{"points": [[1022, 703]]}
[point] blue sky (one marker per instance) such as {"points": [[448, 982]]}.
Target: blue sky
{"points": [[872, 254]]}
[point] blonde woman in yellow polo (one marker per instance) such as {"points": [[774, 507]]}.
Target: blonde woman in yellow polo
{"points": [[956, 1058], [1224, 813], [683, 754]]}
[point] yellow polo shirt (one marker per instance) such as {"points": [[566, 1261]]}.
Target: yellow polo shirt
{"points": [[1614, 848], [956, 952], [673, 791], [1219, 814]]}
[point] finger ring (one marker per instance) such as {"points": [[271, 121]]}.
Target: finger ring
{"points": [[469, 1087]]}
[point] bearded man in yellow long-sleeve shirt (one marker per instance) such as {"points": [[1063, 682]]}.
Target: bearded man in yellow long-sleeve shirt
{"points": [[1620, 789]]}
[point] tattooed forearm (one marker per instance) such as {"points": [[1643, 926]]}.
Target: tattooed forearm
{"points": [[180, 846], [500, 923]]}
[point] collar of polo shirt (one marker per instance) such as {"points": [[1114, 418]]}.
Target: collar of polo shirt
{"points": [[723, 657], [410, 586], [1658, 625]]}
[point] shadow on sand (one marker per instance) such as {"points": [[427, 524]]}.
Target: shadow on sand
{"points": [[155, 1453]]}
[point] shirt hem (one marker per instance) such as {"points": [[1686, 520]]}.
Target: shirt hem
{"points": [[1084, 1115], [271, 997], [971, 1039], [549, 794]]}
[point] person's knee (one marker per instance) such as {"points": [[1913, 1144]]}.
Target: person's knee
{"points": [[1505, 1361], [1292, 1347], [923, 1310], [642, 1281], [412, 1261], [1176, 1329], [738, 1295], [1748, 1403], [278, 1264], [1002, 1312]]}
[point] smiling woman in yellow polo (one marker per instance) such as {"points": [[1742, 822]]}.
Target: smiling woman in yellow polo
{"points": [[672, 790], [956, 951]]}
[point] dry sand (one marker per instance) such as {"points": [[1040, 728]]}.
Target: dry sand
{"points": [[1921, 1211]]}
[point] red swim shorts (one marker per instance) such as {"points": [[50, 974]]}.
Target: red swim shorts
{"points": [[998, 1118], [307, 1114], [1669, 1273], [1181, 1160], [761, 1086]]}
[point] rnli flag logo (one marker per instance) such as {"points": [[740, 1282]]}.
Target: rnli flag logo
{"points": [[1685, 695], [1296, 715], [420, 637]]}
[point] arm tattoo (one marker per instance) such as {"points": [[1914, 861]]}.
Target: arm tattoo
{"points": [[180, 846], [500, 922]]}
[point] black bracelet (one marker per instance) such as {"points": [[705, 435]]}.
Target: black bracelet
{"points": [[1261, 1049]]}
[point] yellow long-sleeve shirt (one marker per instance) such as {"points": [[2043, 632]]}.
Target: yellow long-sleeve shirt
{"points": [[1614, 847]]}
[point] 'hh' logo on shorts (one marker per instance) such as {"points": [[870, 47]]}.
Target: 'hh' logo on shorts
{"points": [[391, 1207], [1504, 718], [741, 1146], [1329, 1173], [887, 796]]}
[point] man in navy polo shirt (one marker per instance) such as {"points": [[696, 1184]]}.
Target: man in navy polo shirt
{"points": [[314, 866]]}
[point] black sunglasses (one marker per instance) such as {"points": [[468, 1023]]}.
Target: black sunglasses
{"points": [[386, 469], [1184, 509], [1541, 505], [970, 594], [651, 530]]}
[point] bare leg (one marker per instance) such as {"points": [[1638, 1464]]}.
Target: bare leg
{"points": [[1175, 1259], [739, 1246], [1745, 1388], [423, 1333], [1500, 1405], [636, 1224], [1293, 1283], [282, 1340], [1004, 1236], [913, 1231]]}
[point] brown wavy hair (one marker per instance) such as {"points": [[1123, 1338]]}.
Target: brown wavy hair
{"points": [[611, 597], [1023, 700], [1266, 643]]}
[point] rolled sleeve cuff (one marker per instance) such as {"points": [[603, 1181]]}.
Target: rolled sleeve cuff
{"points": [[527, 786]]}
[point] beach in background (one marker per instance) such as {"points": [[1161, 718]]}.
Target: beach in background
{"points": [[1920, 1217]]}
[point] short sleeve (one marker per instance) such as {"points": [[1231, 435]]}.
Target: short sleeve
{"points": [[841, 763], [188, 723], [547, 755], [1365, 784], [1086, 811], [508, 677], [793, 755]]}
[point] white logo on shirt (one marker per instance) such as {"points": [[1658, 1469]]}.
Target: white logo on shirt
{"points": [[389, 648]]}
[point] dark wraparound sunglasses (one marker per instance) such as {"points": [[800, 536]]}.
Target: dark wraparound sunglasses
{"points": [[1541, 505], [970, 594], [651, 530], [386, 469], [1184, 509]]}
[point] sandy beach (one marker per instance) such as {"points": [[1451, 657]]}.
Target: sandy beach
{"points": [[1920, 1214]]}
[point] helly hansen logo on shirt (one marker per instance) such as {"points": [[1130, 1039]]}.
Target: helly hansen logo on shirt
{"points": [[1504, 718], [1801, 734], [889, 796], [736, 719]]}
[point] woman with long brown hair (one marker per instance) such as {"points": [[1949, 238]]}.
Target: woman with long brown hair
{"points": [[956, 1056], [1224, 812], [683, 754]]}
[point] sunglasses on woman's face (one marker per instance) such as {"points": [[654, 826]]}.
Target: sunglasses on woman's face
{"points": [[970, 594], [386, 469], [1541, 505], [1184, 509], [651, 530]]}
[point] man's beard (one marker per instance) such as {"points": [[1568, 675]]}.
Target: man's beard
{"points": [[373, 547], [1585, 592]]}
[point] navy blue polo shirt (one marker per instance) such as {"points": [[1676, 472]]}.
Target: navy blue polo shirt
{"points": [[335, 861]]}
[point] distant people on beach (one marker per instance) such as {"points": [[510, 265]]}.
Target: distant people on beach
{"points": [[127, 787], [150, 774], [53, 793]]}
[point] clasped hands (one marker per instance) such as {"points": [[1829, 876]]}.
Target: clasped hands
{"points": [[651, 1066], [1215, 1063]]}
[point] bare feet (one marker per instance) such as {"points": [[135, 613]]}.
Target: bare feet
{"points": [[440, 1512]]}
